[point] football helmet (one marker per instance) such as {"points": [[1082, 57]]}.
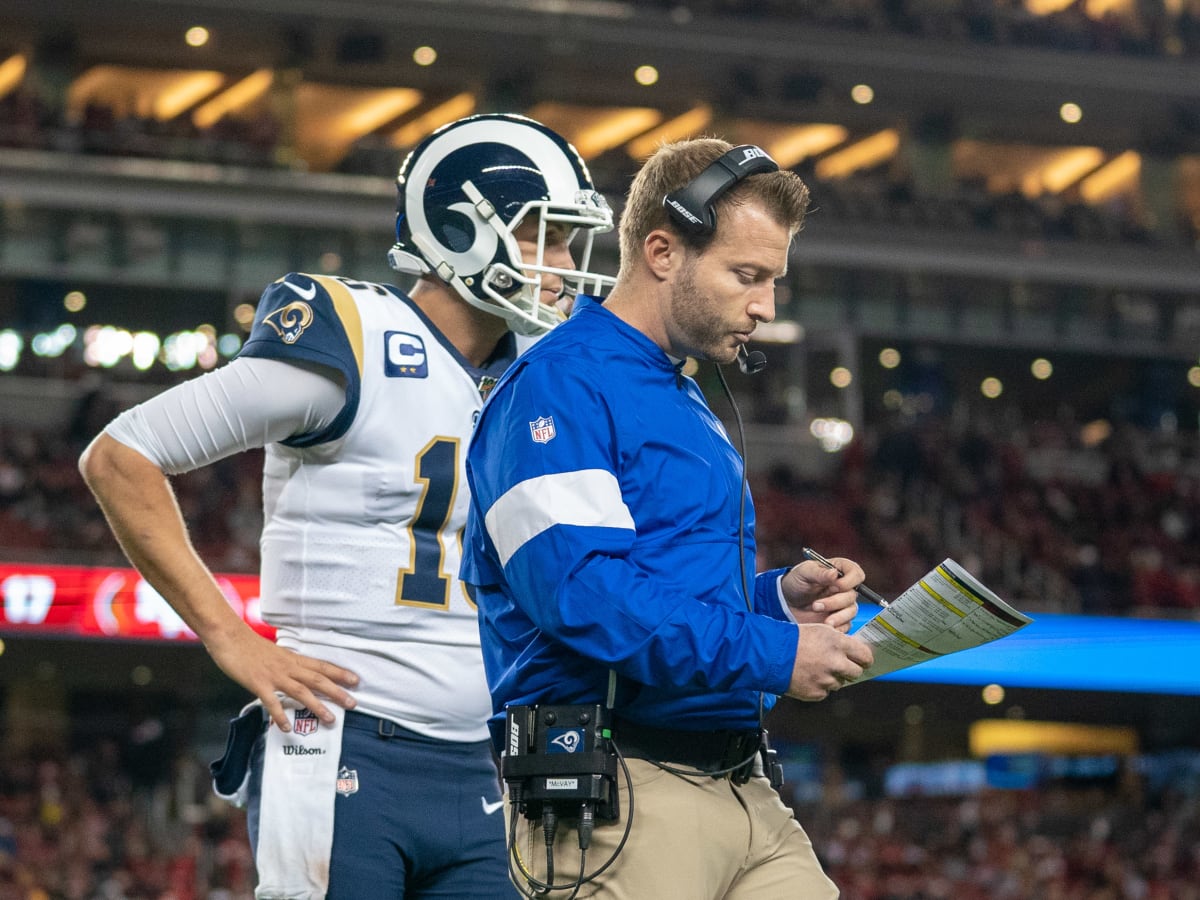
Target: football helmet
{"points": [[464, 191]]}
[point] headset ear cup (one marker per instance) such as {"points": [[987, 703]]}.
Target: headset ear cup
{"points": [[690, 220], [693, 208]]}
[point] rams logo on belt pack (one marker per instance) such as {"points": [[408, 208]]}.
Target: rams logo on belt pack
{"points": [[564, 740]]}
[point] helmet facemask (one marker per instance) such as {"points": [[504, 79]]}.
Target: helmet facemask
{"points": [[514, 290]]}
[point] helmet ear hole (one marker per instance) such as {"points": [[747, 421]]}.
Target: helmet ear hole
{"points": [[462, 192], [458, 235]]}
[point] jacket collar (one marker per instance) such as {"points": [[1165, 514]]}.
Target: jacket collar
{"points": [[592, 308]]}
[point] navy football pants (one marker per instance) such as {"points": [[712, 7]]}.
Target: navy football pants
{"points": [[425, 822]]}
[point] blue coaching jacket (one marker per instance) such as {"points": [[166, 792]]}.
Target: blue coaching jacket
{"points": [[604, 535]]}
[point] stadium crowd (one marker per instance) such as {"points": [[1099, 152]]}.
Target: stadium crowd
{"points": [[1143, 28], [31, 118], [1048, 521], [1047, 843], [47, 514], [83, 826], [34, 119], [79, 826], [883, 196]]}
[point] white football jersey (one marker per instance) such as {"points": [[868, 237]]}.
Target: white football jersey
{"points": [[363, 521]]}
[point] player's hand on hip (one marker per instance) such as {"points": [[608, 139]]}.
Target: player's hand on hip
{"points": [[826, 660], [267, 670]]}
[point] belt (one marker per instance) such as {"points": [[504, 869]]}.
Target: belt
{"points": [[385, 728], [389, 730], [712, 751]]}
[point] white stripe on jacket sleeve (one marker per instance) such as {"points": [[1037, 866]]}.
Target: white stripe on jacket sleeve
{"points": [[589, 497]]}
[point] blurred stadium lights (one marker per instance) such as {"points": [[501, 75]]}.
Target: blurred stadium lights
{"points": [[11, 344], [145, 350], [645, 75], [12, 72], [105, 346], [1117, 176], [615, 129], [596, 130], [1093, 9], [798, 143], [144, 92], [54, 343], [781, 331], [862, 94], [330, 118], [864, 154], [1071, 113], [991, 736], [374, 109], [1073, 652], [1062, 170], [196, 36], [694, 121], [184, 93], [187, 349], [234, 98], [456, 107], [832, 434]]}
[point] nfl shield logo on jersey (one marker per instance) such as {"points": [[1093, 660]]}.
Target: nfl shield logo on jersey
{"points": [[347, 781], [542, 429], [304, 722]]}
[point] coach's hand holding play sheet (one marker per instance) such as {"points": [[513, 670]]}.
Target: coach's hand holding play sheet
{"points": [[946, 611]]}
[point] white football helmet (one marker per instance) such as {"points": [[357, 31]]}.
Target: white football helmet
{"points": [[467, 187]]}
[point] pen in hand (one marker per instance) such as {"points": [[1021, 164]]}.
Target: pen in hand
{"points": [[861, 589]]}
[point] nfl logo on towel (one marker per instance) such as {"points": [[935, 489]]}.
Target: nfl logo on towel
{"points": [[542, 429], [304, 722]]}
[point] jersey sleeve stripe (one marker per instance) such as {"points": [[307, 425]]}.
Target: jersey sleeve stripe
{"points": [[589, 498], [347, 312]]}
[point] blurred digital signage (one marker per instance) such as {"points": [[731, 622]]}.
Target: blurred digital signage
{"points": [[65, 601], [1070, 652]]}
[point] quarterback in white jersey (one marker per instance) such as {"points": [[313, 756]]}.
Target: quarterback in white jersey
{"points": [[360, 559], [376, 778]]}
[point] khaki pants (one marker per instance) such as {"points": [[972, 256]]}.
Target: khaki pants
{"points": [[691, 838]]}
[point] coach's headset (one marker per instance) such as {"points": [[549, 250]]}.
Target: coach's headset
{"points": [[693, 209]]}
